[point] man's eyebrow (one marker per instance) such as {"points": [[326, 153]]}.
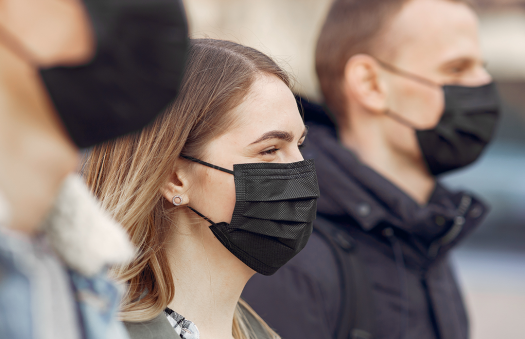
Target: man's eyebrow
{"points": [[286, 136]]}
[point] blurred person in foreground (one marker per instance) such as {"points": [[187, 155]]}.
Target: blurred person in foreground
{"points": [[409, 100], [72, 74]]}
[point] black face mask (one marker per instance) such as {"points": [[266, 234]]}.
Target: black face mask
{"points": [[138, 64], [465, 128], [273, 215]]}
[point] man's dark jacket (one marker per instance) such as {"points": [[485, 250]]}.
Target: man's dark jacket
{"points": [[414, 294]]}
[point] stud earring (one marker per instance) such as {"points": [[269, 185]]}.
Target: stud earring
{"points": [[177, 200]]}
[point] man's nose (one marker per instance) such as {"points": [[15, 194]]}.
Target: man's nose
{"points": [[478, 77]]}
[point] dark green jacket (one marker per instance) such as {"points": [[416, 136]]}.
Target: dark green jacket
{"points": [[160, 328]]}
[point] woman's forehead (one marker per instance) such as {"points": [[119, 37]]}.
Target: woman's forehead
{"points": [[270, 104]]}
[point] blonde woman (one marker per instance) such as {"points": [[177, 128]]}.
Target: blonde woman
{"points": [[211, 193]]}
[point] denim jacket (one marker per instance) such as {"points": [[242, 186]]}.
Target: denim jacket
{"points": [[98, 301], [77, 243]]}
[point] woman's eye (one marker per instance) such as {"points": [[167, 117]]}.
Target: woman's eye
{"points": [[300, 146], [270, 151]]}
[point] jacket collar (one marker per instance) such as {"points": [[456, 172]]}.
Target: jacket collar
{"points": [[352, 189], [85, 237]]}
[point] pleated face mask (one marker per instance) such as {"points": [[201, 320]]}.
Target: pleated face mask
{"points": [[466, 126], [273, 215]]}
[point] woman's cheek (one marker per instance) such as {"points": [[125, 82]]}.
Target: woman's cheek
{"points": [[221, 197], [229, 201]]}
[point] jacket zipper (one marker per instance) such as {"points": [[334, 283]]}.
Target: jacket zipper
{"points": [[402, 276], [455, 230]]}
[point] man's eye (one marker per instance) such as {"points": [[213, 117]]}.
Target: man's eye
{"points": [[456, 70], [459, 68], [270, 151]]}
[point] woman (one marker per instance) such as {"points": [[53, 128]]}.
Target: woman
{"points": [[214, 191]]}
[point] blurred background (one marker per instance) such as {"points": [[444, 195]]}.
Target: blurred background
{"points": [[491, 263]]}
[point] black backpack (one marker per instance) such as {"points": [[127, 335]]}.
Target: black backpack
{"points": [[356, 319]]}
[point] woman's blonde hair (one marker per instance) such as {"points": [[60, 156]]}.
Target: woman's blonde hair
{"points": [[127, 174]]}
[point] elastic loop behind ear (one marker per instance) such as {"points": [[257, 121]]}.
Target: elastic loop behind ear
{"points": [[206, 164], [16, 46], [400, 119], [408, 75], [202, 216]]}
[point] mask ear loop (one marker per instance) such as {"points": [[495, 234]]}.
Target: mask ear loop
{"points": [[201, 215], [400, 119], [206, 164], [16, 46], [411, 76], [414, 77]]}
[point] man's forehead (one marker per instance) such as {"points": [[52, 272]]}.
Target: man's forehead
{"points": [[434, 30]]}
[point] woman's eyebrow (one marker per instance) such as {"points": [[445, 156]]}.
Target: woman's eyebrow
{"points": [[286, 136]]}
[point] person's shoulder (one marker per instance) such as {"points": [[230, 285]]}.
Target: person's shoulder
{"points": [[156, 328], [315, 264], [315, 255]]}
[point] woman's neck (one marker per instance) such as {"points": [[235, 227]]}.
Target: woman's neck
{"points": [[208, 279]]}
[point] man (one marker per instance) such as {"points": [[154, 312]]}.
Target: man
{"points": [[72, 74], [404, 82]]}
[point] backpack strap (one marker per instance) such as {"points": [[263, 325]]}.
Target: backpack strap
{"points": [[356, 318]]}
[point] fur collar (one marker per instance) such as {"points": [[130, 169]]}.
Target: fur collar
{"points": [[85, 237], [4, 211]]}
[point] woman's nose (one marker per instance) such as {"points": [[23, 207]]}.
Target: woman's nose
{"points": [[297, 155]]}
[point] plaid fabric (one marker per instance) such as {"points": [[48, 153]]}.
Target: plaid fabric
{"points": [[184, 328]]}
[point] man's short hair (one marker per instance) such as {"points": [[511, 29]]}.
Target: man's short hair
{"points": [[351, 27]]}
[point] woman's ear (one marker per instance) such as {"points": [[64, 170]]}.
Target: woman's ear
{"points": [[175, 188], [363, 81]]}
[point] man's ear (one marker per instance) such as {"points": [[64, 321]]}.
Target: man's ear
{"points": [[176, 186], [364, 83]]}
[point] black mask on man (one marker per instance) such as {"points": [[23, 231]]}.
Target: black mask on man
{"points": [[138, 65], [466, 126], [273, 215]]}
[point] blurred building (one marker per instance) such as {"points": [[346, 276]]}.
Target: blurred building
{"points": [[284, 29]]}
